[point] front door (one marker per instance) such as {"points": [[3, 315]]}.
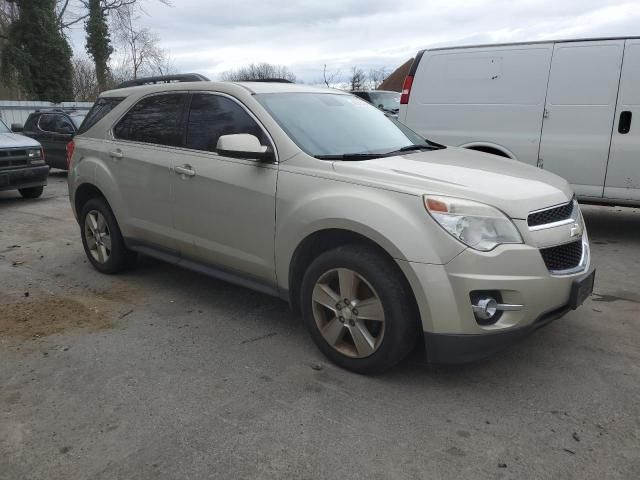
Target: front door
{"points": [[623, 172], [224, 208], [581, 103]]}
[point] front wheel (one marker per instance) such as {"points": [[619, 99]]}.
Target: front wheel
{"points": [[33, 192], [358, 310]]}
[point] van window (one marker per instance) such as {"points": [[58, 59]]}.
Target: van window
{"points": [[155, 119], [212, 116]]}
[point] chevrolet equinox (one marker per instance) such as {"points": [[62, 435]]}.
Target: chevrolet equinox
{"points": [[376, 236]]}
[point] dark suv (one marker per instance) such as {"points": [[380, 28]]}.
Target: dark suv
{"points": [[388, 102], [54, 129]]}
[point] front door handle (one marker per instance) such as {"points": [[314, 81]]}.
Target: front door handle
{"points": [[624, 125], [184, 170], [116, 154]]}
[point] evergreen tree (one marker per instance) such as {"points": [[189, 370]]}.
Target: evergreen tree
{"points": [[36, 54], [98, 41]]}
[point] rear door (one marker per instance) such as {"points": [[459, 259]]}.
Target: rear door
{"points": [[623, 171], [140, 161], [579, 112], [224, 208]]}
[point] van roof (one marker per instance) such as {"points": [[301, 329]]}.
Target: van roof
{"points": [[484, 45]]}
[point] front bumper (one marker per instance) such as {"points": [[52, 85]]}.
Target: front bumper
{"points": [[25, 177], [518, 272]]}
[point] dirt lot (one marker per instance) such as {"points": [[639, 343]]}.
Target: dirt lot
{"points": [[164, 373]]}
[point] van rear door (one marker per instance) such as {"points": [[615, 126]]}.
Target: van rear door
{"points": [[578, 117], [623, 171]]}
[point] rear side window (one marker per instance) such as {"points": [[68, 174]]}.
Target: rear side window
{"points": [[212, 116], [155, 119], [98, 111], [47, 123]]}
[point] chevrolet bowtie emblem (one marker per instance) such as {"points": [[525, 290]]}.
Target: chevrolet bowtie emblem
{"points": [[576, 230]]}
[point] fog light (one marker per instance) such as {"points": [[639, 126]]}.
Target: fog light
{"points": [[486, 308]]}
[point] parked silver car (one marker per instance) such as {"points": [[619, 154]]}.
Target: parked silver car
{"points": [[377, 236]]}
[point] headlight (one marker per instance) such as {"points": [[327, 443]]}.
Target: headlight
{"points": [[35, 156], [477, 225]]}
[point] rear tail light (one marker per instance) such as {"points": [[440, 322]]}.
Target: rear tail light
{"points": [[406, 90], [71, 146]]}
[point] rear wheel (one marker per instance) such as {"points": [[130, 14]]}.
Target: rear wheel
{"points": [[33, 192], [357, 309], [101, 238]]}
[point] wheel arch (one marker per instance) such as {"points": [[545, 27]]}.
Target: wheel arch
{"points": [[327, 239], [84, 193]]}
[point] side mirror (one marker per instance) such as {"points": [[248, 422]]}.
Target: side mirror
{"points": [[244, 145], [17, 127]]}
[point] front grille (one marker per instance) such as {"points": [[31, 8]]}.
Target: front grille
{"points": [[562, 257], [13, 158], [550, 215]]}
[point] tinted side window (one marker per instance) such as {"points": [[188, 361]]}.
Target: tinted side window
{"points": [[47, 123], [30, 124], [154, 119], [211, 116], [63, 125], [98, 111]]}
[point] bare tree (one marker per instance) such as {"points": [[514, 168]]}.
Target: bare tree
{"points": [[377, 76], [258, 71], [70, 12], [329, 79], [85, 85], [357, 79], [137, 48]]}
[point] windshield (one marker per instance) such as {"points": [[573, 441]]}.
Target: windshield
{"points": [[386, 100], [333, 124], [77, 119], [4, 128]]}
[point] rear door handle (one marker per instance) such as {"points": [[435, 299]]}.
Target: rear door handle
{"points": [[624, 125], [116, 154], [184, 170]]}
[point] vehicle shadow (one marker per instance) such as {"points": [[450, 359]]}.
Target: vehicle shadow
{"points": [[612, 224]]}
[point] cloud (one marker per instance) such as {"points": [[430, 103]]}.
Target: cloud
{"points": [[211, 36]]}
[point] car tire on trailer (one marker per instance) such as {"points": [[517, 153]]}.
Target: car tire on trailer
{"points": [[356, 305], [102, 239]]}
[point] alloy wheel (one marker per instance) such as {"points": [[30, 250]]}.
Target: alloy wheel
{"points": [[98, 236], [348, 313]]}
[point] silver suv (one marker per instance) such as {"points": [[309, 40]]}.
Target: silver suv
{"points": [[375, 235]]}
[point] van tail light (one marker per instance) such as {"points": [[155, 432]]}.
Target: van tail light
{"points": [[406, 90], [71, 146], [42, 154]]}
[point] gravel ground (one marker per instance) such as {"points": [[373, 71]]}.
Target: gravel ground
{"points": [[163, 373]]}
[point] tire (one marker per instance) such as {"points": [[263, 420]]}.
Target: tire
{"points": [[115, 256], [375, 277], [33, 192]]}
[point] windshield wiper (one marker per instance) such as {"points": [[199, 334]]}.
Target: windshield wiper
{"points": [[351, 156], [419, 146]]}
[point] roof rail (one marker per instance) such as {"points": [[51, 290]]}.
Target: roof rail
{"points": [[180, 77], [274, 80], [56, 110]]}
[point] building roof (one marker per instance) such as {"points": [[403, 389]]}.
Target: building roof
{"points": [[394, 81]]}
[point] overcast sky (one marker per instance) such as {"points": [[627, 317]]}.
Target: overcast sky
{"points": [[211, 36]]}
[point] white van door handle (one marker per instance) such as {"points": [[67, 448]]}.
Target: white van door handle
{"points": [[116, 154], [184, 170]]}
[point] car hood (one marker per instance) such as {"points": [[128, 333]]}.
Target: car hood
{"points": [[13, 140], [511, 186]]}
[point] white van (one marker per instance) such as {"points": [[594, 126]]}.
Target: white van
{"points": [[565, 106]]}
